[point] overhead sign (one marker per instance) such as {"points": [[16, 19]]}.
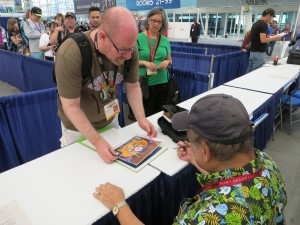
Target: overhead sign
{"points": [[149, 4], [82, 6], [216, 3]]}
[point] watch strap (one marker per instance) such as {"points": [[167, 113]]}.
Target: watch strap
{"points": [[120, 204]]}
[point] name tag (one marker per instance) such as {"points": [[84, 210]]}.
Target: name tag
{"points": [[111, 109], [151, 72]]}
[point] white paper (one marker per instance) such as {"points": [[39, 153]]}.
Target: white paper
{"points": [[12, 214], [283, 34]]}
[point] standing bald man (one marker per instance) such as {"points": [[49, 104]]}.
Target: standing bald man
{"points": [[84, 106]]}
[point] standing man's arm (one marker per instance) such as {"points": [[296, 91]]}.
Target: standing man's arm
{"points": [[134, 96], [265, 39], [78, 118]]}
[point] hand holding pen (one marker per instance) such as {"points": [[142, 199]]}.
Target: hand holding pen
{"points": [[183, 151]]}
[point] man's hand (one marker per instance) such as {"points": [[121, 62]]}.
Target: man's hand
{"points": [[109, 194], [61, 28], [184, 152], [147, 126], [105, 150]]}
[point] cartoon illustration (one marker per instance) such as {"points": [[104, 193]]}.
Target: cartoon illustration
{"points": [[133, 148], [136, 149]]}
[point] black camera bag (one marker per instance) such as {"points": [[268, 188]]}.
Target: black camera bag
{"points": [[294, 57], [166, 126]]}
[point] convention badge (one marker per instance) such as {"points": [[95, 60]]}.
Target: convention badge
{"points": [[151, 72], [111, 109]]}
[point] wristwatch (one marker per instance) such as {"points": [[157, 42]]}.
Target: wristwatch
{"points": [[117, 207]]}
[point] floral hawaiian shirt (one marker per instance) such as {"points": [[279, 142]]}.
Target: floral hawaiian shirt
{"points": [[258, 201]]}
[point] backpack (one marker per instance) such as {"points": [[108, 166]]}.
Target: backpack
{"points": [[86, 55], [85, 51], [164, 123]]}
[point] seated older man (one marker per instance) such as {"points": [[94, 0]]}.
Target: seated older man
{"points": [[239, 184]]}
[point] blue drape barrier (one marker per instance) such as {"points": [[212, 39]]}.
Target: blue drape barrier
{"points": [[229, 66], [264, 131], [3, 22], [211, 49], [11, 70], [181, 185], [8, 156], [158, 202], [190, 83], [194, 50], [33, 125], [189, 61], [146, 204], [38, 74]]}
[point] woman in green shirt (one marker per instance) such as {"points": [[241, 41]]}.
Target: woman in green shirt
{"points": [[154, 59]]}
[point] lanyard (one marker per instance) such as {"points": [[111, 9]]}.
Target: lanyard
{"points": [[104, 72], [38, 28], [153, 51], [231, 181]]}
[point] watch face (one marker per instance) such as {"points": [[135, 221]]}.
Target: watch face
{"points": [[115, 210]]}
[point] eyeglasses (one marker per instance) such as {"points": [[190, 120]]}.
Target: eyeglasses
{"points": [[156, 21], [120, 51]]}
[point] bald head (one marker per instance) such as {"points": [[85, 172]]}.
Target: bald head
{"points": [[118, 20]]}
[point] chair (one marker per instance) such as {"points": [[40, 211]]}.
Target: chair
{"points": [[292, 104], [259, 120], [297, 94], [279, 114]]}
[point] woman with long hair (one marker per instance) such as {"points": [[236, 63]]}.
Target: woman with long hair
{"points": [[15, 41]]}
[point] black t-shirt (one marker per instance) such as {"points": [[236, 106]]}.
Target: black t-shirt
{"points": [[258, 27], [15, 34]]}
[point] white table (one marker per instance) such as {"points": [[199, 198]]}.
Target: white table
{"points": [[252, 100], [267, 79], [57, 188]]}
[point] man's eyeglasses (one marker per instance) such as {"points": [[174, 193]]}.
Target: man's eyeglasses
{"points": [[120, 51], [156, 21]]}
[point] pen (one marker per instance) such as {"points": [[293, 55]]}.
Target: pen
{"points": [[187, 144]]}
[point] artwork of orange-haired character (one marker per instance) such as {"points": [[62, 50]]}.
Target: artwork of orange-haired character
{"points": [[133, 148]]}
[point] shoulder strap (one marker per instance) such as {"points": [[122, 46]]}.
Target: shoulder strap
{"points": [[86, 54], [127, 65], [85, 51]]}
